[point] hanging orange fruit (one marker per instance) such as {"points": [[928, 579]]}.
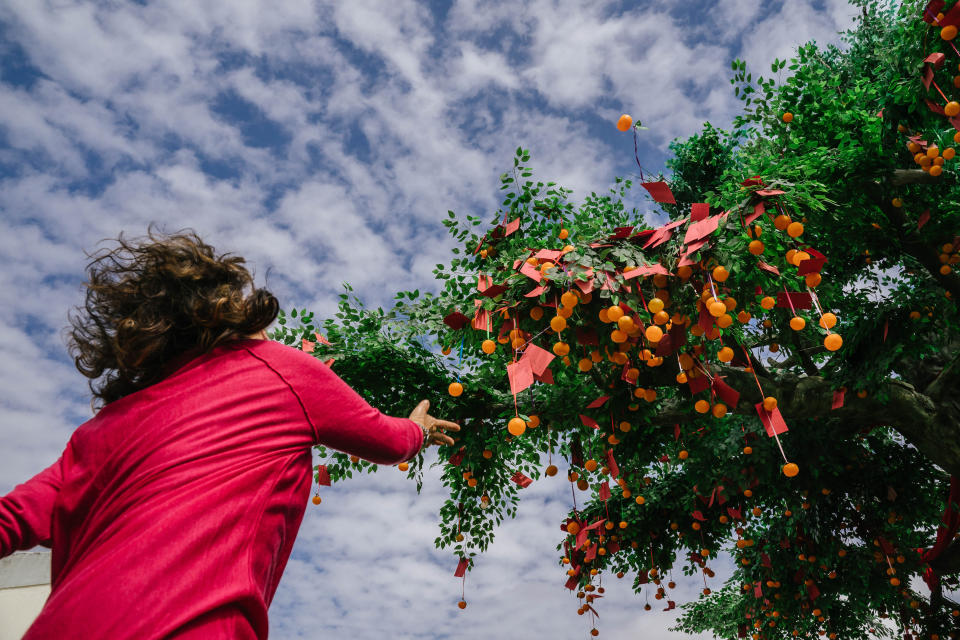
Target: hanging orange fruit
{"points": [[625, 122], [516, 426], [455, 389]]}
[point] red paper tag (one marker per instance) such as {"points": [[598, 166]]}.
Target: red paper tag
{"points": [[772, 420], [659, 191], [598, 402], [512, 226], [521, 480], [538, 359], [323, 476], [589, 422], [604, 491], [520, 375], [758, 210], [699, 211], [727, 393], [924, 219], [612, 464], [837, 399], [461, 568], [455, 320]]}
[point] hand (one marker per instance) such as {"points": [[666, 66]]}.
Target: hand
{"points": [[433, 425]]}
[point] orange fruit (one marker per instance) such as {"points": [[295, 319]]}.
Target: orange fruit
{"points": [[781, 222], [933, 152], [717, 309], [719, 410], [516, 426], [948, 153], [561, 348], [585, 364], [683, 455], [487, 454], [462, 604], [952, 108], [797, 323], [590, 465], [536, 313], [403, 466], [768, 302], [897, 202], [654, 333], [828, 320], [833, 342], [533, 422], [316, 500], [747, 451], [625, 323], [787, 117], [790, 469], [755, 247], [725, 321], [720, 274], [769, 403], [551, 470], [655, 305], [936, 170], [558, 323], [563, 234], [795, 229], [812, 279], [614, 313], [569, 299], [624, 122], [725, 354], [565, 312], [455, 389], [702, 406], [488, 346], [618, 336]]}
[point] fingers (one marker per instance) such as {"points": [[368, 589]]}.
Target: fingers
{"points": [[439, 438], [445, 424]]}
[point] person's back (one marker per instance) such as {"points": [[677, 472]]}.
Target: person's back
{"points": [[173, 511]]}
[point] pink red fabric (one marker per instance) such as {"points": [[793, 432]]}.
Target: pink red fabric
{"points": [[945, 534], [172, 512]]}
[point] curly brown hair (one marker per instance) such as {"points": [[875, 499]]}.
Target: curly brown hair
{"points": [[152, 299]]}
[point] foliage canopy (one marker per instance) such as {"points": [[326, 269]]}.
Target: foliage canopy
{"points": [[874, 426]]}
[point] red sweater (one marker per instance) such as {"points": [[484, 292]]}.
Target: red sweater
{"points": [[173, 511]]}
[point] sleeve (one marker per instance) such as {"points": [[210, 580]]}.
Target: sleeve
{"points": [[27, 511], [340, 418]]}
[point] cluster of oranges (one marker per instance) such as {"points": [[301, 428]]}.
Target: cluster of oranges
{"points": [[932, 159]]}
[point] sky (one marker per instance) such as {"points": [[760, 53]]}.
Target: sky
{"points": [[324, 142]]}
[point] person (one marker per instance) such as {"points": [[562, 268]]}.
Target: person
{"points": [[172, 512]]}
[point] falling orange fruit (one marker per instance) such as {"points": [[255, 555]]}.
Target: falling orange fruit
{"points": [[625, 122]]}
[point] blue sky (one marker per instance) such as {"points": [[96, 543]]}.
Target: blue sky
{"points": [[325, 141]]}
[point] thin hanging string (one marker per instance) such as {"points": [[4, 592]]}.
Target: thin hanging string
{"points": [[636, 153], [816, 303], [775, 437], [460, 364], [934, 83]]}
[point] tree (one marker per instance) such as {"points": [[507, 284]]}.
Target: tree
{"points": [[804, 279]]}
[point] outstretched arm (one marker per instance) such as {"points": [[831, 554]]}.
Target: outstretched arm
{"points": [[26, 512]]}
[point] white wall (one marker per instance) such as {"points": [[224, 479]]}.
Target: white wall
{"points": [[24, 587]]}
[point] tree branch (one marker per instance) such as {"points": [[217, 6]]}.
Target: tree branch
{"points": [[930, 428], [902, 177]]}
